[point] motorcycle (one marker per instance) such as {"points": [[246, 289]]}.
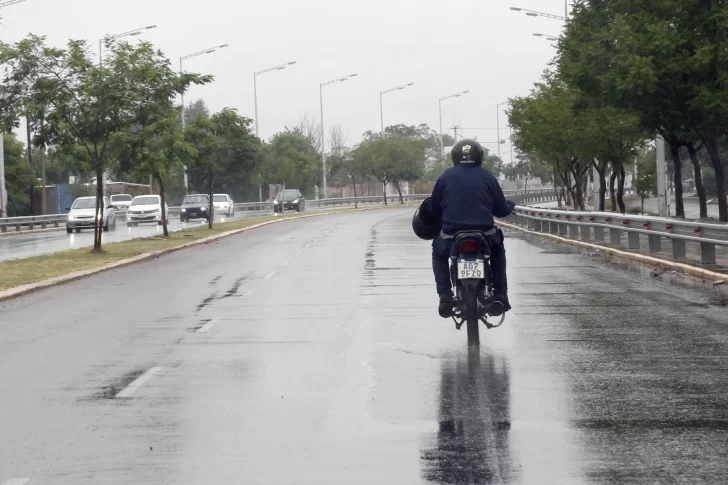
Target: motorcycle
{"points": [[472, 276]]}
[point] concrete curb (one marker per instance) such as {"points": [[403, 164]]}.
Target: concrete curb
{"points": [[685, 268], [58, 280]]}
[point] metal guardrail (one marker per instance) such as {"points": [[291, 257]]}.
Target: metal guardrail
{"points": [[582, 225], [55, 220], [32, 221]]}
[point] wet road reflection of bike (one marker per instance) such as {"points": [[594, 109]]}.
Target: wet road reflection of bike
{"points": [[472, 444]]}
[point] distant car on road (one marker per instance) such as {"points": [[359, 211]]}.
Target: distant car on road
{"points": [[145, 208], [195, 206], [82, 214], [121, 201], [289, 199], [223, 205]]}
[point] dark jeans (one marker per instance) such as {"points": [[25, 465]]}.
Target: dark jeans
{"points": [[441, 266]]}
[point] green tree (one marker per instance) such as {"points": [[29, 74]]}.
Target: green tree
{"points": [[224, 147], [93, 104], [292, 160], [19, 176]]}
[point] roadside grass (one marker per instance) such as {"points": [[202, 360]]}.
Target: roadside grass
{"points": [[31, 270]]}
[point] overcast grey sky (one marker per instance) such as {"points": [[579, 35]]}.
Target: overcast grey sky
{"points": [[442, 47]]}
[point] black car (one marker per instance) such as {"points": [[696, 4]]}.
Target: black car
{"points": [[289, 200], [195, 206]]}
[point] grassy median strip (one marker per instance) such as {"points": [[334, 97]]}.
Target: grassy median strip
{"points": [[38, 268]]}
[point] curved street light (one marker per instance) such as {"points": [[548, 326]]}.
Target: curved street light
{"points": [[381, 105], [534, 13], [442, 146], [548, 37], [130, 33], [323, 135], [209, 50]]}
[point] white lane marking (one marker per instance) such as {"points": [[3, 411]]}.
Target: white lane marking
{"points": [[16, 481], [286, 263], [246, 294], [138, 382], [208, 325], [306, 245], [269, 275], [298, 252]]}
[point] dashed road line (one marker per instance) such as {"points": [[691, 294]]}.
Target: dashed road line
{"points": [[269, 275], [129, 390], [206, 327], [16, 481], [246, 294], [298, 253], [286, 263]]}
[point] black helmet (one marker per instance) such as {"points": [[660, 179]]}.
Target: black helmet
{"points": [[467, 151], [424, 224]]}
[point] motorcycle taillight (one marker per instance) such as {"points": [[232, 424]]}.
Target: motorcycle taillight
{"points": [[469, 246]]}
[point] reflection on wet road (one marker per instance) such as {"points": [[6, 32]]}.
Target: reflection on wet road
{"points": [[310, 352]]}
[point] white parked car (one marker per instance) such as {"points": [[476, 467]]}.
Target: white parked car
{"points": [[121, 202], [223, 205], [81, 215], [145, 208]]}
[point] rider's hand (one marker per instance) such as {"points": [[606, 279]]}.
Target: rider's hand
{"points": [[511, 205]]}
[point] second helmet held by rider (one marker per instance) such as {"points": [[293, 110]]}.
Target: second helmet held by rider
{"points": [[467, 197]]}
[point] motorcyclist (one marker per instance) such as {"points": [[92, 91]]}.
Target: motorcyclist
{"points": [[466, 197]]}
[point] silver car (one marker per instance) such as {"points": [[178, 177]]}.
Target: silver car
{"points": [[223, 205], [121, 201], [146, 208], [81, 215]]}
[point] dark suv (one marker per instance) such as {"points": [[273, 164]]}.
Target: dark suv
{"points": [[289, 200], [195, 206]]}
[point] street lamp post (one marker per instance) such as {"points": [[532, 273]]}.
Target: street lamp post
{"points": [[381, 104], [548, 37], [534, 13], [255, 96], [323, 134], [497, 122], [442, 145], [3, 192], [131, 33], [182, 96]]}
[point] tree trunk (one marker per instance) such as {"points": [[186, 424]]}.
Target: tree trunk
{"points": [[601, 170], [210, 213], [353, 182], [30, 142], [677, 180], [698, 175], [399, 191], [642, 200], [163, 197], [556, 188], [612, 192], [99, 222], [712, 143], [384, 191], [620, 190]]}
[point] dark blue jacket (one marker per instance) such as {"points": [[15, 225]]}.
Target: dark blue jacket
{"points": [[467, 197]]}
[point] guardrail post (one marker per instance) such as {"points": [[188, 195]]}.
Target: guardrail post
{"points": [[17, 227], [43, 224], [585, 232], [573, 231], [707, 253], [655, 243], [553, 227], [531, 224], [31, 226], [634, 240], [4, 228], [562, 228], [55, 223], [615, 237], [599, 234], [678, 249], [537, 225]]}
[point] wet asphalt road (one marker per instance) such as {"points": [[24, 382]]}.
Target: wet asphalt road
{"points": [[310, 352]]}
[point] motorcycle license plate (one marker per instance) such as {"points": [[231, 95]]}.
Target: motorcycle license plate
{"points": [[471, 269]]}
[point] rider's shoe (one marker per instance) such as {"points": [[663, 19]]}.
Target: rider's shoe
{"points": [[499, 305], [447, 303]]}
